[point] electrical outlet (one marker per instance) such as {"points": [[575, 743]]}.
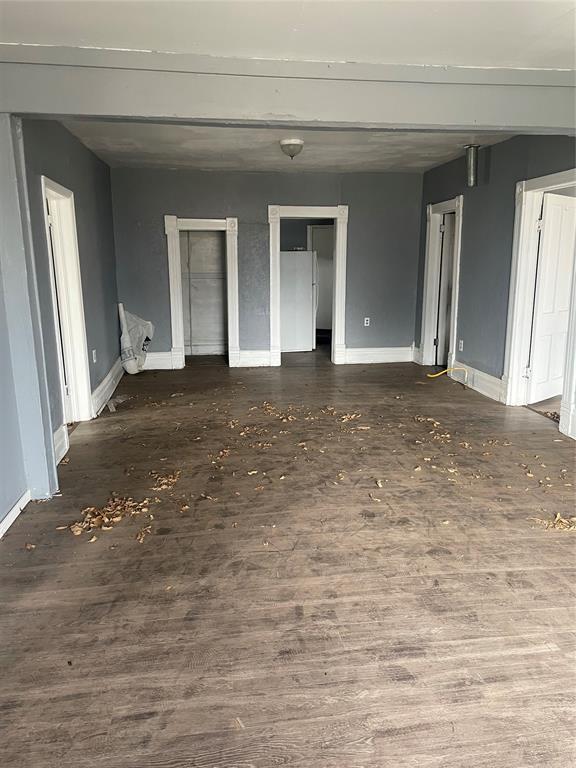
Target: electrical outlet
{"points": [[366, 321], [460, 345], [93, 355]]}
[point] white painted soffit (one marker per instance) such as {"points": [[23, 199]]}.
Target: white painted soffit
{"points": [[511, 34]]}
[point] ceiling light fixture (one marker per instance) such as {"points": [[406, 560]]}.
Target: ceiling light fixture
{"points": [[291, 147]]}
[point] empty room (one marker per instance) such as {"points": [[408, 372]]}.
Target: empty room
{"points": [[288, 384]]}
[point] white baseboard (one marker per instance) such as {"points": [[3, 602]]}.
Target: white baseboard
{"points": [[251, 358], [417, 356], [105, 389], [61, 443], [163, 361], [487, 385], [568, 419], [339, 354], [357, 355], [7, 521]]}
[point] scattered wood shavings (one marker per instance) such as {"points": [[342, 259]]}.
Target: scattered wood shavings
{"points": [[29, 546], [142, 533], [350, 416], [104, 518], [559, 523], [164, 482]]}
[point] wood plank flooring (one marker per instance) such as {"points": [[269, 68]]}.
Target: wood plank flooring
{"points": [[344, 575]]}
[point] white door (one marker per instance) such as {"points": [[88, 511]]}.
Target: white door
{"points": [[552, 297], [203, 266], [296, 301], [445, 290]]}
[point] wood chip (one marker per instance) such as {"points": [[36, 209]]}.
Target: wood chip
{"points": [[559, 523]]}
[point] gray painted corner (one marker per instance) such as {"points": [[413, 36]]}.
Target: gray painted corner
{"points": [[25, 363], [383, 233], [487, 232], [12, 472]]}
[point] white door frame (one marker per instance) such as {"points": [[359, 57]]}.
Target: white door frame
{"points": [[434, 214], [62, 221], [340, 215], [529, 197], [173, 226]]}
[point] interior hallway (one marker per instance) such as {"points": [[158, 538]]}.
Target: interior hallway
{"points": [[344, 574]]}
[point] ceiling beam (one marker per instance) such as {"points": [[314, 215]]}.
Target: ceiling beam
{"points": [[100, 83]]}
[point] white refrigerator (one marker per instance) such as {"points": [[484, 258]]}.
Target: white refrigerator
{"points": [[298, 300]]}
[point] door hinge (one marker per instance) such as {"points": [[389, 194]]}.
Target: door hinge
{"points": [[436, 342], [527, 372], [539, 225], [442, 227]]}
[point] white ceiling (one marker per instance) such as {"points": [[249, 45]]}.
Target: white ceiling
{"points": [[258, 149], [502, 33]]}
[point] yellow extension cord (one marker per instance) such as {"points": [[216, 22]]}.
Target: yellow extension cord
{"points": [[447, 370]]}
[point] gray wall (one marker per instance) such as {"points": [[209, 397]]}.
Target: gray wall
{"points": [[52, 151], [12, 473], [383, 227], [487, 231]]}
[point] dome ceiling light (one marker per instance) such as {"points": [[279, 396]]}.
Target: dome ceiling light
{"points": [[291, 147]]}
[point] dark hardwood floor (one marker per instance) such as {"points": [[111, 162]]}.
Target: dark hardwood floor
{"points": [[344, 575]]}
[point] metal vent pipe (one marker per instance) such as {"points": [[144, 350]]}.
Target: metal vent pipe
{"points": [[472, 164]]}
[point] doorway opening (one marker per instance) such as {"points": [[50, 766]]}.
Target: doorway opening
{"points": [[203, 277], [306, 285], [71, 349], [203, 268], [442, 340], [441, 276], [307, 280], [540, 365]]}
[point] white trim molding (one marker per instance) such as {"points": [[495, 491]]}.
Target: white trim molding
{"points": [[252, 358], [172, 227], [529, 199], [62, 243], [61, 443], [359, 355], [567, 423], [105, 389], [340, 215], [484, 383], [162, 361], [434, 214], [9, 519]]}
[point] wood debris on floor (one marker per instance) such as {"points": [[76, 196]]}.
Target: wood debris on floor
{"points": [[106, 517], [558, 523]]}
